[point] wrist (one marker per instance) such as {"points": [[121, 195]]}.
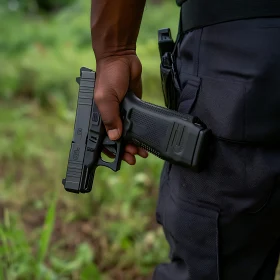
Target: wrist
{"points": [[102, 51], [110, 42]]}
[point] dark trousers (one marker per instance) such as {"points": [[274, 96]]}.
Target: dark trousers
{"points": [[224, 222]]}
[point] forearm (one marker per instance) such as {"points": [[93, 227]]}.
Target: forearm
{"points": [[115, 26]]}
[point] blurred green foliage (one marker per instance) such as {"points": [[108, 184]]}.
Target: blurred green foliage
{"points": [[45, 232], [40, 56], [48, 233]]}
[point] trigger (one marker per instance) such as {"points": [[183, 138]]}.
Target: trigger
{"points": [[107, 141], [109, 145]]}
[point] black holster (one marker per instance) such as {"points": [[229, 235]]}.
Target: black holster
{"points": [[169, 80]]}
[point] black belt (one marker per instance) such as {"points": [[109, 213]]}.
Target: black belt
{"points": [[199, 13]]}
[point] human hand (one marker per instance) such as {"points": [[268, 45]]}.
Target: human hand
{"points": [[115, 75]]}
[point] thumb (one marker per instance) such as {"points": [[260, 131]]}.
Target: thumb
{"points": [[108, 106]]}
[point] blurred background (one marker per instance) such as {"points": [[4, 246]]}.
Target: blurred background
{"points": [[46, 232]]}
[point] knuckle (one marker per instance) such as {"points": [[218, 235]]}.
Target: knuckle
{"points": [[108, 119], [98, 98], [108, 122]]}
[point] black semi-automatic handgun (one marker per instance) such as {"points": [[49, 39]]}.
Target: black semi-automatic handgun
{"points": [[174, 137]]}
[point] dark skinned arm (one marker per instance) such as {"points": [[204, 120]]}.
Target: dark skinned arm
{"points": [[115, 26]]}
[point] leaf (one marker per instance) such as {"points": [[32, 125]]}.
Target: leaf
{"points": [[91, 272], [46, 235], [83, 257]]}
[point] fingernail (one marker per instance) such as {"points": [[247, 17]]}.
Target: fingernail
{"points": [[114, 134], [145, 154]]}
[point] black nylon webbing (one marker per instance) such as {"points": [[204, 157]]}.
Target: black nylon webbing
{"points": [[200, 13]]}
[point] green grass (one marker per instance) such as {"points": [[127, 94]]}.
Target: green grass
{"points": [[70, 235]]}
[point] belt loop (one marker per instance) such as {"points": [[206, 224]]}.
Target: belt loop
{"points": [[196, 50], [180, 27], [175, 50]]}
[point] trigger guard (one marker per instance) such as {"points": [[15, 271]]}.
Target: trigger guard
{"points": [[116, 164], [111, 165]]}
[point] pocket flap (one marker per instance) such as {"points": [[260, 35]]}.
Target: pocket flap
{"points": [[189, 93]]}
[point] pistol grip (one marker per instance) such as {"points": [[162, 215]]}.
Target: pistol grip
{"points": [[172, 136]]}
